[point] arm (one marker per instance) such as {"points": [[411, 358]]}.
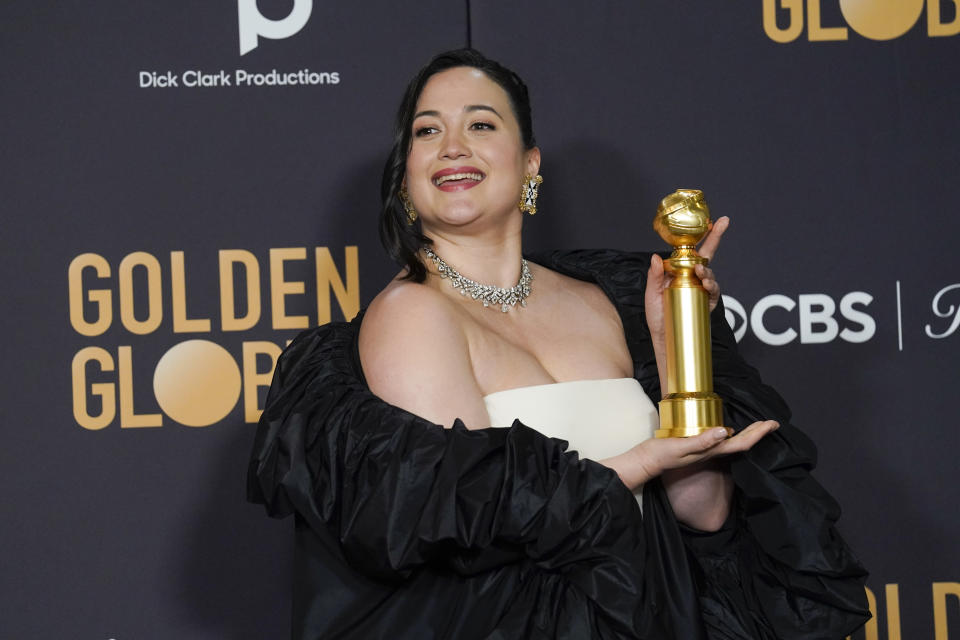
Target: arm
{"points": [[396, 494], [684, 462]]}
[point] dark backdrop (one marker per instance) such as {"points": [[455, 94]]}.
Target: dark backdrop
{"points": [[827, 130]]}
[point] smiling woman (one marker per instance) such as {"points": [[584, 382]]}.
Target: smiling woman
{"points": [[475, 460]]}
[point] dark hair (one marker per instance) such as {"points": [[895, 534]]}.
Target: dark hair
{"points": [[401, 240]]}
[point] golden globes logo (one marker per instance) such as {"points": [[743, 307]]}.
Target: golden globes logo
{"points": [[785, 20], [196, 382]]}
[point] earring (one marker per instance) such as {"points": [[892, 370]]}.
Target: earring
{"points": [[408, 206], [529, 193]]}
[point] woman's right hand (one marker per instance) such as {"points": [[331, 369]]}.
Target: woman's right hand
{"points": [[652, 457]]}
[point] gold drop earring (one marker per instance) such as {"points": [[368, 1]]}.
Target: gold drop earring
{"points": [[529, 193], [408, 206]]}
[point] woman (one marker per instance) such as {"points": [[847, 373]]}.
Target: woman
{"points": [[416, 519]]}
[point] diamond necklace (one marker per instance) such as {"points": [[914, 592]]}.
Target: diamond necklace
{"points": [[487, 294]]}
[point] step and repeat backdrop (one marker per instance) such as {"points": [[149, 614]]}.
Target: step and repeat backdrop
{"points": [[185, 186]]}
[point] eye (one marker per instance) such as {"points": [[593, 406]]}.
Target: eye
{"points": [[420, 132], [482, 126]]}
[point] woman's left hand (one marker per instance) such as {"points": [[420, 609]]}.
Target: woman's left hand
{"points": [[658, 279]]}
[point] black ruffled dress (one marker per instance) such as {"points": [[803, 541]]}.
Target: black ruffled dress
{"points": [[405, 529]]}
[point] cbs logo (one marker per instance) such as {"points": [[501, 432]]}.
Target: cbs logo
{"points": [[873, 19], [778, 320], [254, 24]]}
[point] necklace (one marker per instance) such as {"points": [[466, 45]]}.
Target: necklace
{"points": [[485, 293]]}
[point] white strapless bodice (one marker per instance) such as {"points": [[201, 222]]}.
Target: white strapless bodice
{"points": [[598, 418]]}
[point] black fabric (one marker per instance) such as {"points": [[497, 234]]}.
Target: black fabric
{"points": [[407, 529]]}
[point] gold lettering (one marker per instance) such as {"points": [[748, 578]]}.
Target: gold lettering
{"points": [[182, 324], [870, 630], [101, 297], [937, 28], [892, 596], [105, 390], [155, 301], [348, 296], [794, 27], [128, 416], [280, 289], [940, 592], [815, 31], [229, 321], [252, 379]]}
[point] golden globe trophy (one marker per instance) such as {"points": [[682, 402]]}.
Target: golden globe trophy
{"points": [[689, 406]]}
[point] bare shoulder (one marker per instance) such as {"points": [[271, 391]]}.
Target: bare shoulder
{"points": [[408, 313], [415, 355]]}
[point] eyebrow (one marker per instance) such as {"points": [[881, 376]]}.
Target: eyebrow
{"points": [[481, 107], [467, 109]]}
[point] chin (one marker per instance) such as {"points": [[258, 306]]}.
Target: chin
{"points": [[457, 218]]}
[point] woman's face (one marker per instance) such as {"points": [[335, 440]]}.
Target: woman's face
{"points": [[466, 160]]}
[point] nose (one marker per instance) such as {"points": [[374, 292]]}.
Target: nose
{"points": [[454, 146]]}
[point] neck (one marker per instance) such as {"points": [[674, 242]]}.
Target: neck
{"points": [[493, 262]]}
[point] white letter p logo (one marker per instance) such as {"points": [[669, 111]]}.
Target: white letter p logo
{"points": [[253, 23]]}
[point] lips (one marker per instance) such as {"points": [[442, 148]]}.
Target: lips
{"points": [[457, 178]]}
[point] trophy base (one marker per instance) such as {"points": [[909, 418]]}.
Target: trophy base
{"points": [[689, 414]]}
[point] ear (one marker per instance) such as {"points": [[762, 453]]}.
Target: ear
{"points": [[533, 161]]}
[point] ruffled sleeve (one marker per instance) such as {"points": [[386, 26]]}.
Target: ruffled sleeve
{"points": [[779, 568], [400, 493]]}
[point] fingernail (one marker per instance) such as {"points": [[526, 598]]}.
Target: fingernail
{"points": [[719, 433], [776, 425]]}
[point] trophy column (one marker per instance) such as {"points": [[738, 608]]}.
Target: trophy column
{"points": [[689, 406]]}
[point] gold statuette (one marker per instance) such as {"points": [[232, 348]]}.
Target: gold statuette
{"points": [[689, 406]]}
